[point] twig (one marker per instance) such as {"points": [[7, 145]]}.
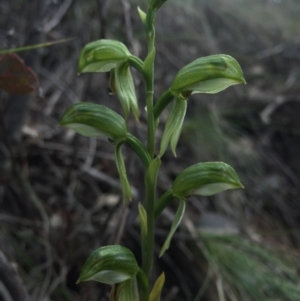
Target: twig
{"points": [[23, 221], [68, 149], [102, 6], [220, 289], [55, 20], [73, 98], [12, 281], [128, 25], [123, 214], [91, 153], [31, 196], [107, 179]]}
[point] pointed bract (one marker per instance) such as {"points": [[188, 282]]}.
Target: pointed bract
{"points": [[126, 189], [173, 126], [125, 89], [157, 288], [176, 222], [142, 15]]}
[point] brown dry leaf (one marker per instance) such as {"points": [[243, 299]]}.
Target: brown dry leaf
{"points": [[15, 77]]}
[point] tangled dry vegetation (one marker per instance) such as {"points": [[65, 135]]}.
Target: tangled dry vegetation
{"points": [[63, 198]]}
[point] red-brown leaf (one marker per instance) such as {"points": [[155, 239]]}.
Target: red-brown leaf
{"points": [[15, 77]]}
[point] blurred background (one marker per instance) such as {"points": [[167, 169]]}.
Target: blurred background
{"points": [[60, 192]]}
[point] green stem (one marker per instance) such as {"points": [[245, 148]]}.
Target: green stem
{"points": [[136, 145], [149, 79], [162, 203], [151, 174], [162, 103], [136, 63], [151, 124], [150, 181]]}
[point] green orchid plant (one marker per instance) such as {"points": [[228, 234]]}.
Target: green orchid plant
{"points": [[116, 265]]}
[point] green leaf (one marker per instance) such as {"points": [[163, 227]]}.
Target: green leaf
{"points": [[157, 288], [205, 179], [126, 190], [173, 126], [110, 265], [102, 56], [124, 86], [177, 219], [210, 74], [93, 120]]}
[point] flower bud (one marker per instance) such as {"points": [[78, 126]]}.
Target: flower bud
{"points": [[210, 74], [110, 265], [102, 56], [205, 179], [93, 120]]}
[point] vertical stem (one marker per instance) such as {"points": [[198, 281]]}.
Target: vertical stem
{"points": [[150, 180], [151, 126], [150, 80], [150, 190], [150, 177]]}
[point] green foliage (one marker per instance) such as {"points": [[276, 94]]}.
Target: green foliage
{"points": [[125, 291], [205, 179], [125, 89], [92, 120], [110, 264], [173, 126], [116, 265], [253, 272], [176, 222], [157, 288], [102, 56], [210, 74]]}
